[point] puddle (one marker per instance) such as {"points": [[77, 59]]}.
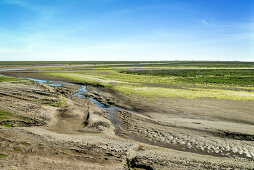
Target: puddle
{"points": [[11, 69], [55, 84]]}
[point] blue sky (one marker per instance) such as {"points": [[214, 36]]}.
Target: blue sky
{"points": [[127, 30]]}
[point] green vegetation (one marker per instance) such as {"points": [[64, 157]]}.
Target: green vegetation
{"points": [[56, 103], [6, 125], [197, 64], [95, 80], [191, 79], [5, 116], [241, 77], [232, 77], [16, 149], [188, 92], [9, 120], [8, 78], [190, 83], [159, 163], [3, 155], [127, 65], [64, 62]]}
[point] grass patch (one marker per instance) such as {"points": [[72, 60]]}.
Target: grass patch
{"points": [[57, 103], [159, 163], [16, 149], [3, 155], [95, 80], [8, 78], [6, 125], [4, 115], [221, 77], [108, 78], [240, 77], [189, 83], [188, 93]]}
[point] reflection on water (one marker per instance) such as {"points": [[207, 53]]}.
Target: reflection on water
{"points": [[110, 109], [10, 69], [52, 83], [80, 91], [37, 80]]}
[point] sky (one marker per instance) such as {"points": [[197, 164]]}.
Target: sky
{"points": [[91, 30]]}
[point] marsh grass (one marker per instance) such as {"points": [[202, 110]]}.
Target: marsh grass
{"points": [[187, 93], [241, 77], [8, 78], [5, 116], [16, 149], [55, 103], [6, 125], [235, 84], [89, 79], [61, 101], [198, 64], [3, 155]]}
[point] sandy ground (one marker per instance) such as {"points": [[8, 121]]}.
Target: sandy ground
{"points": [[173, 133]]}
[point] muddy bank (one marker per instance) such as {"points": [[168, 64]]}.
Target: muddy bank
{"points": [[106, 96], [62, 130]]}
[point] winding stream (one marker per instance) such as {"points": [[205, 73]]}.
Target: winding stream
{"points": [[111, 109]]}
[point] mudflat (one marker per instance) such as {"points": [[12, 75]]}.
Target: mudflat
{"points": [[89, 118]]}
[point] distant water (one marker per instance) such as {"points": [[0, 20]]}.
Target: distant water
{"points": [[10, 69]]}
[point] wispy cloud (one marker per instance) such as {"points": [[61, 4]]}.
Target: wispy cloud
{"points": [[111, 30]]}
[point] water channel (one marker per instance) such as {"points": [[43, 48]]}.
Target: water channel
{"points": [[111, 109]]}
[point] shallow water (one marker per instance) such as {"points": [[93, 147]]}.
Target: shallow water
{"points": [[79, 92], [10, 69], [52, 83], [56, 84], [37, 80], [110, 109]]}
